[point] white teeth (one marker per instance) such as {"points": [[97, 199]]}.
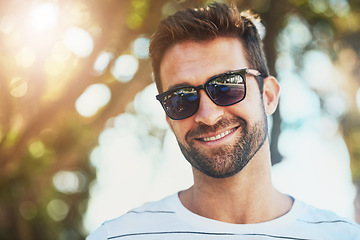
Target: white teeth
{"points": [[221, 135]]}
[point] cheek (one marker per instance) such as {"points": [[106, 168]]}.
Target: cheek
{"points": [[179, 128], [243, 109], [250, 109]]}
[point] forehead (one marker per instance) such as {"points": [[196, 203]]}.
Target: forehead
{"points": [[192, 63]]}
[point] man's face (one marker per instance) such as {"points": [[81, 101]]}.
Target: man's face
{"points": [[218, 141]]}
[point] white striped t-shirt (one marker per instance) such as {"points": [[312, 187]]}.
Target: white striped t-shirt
{"points": [[169, 219]]}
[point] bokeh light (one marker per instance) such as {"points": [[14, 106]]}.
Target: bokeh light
{"points": [[319, 6], [79, 41], [336, 104], [69, 182], [140, 47], [319, 72], [152, 110], [295, 93], [295, 35], [94, 97], [28, 210], [18, 87], [43, 16], [57, 209], [102, 62], [37, 149], [125, 68], [340, 7]]}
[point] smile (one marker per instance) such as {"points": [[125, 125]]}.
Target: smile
{"points": [[217, 137]]}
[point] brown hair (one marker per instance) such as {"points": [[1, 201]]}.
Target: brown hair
{"points": [[204, 24]]}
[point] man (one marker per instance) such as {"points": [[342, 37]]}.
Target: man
{"points": [[215, 88]]}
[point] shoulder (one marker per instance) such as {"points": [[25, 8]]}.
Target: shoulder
{"points": [[321, 219], [315, 215], [138, 219]]}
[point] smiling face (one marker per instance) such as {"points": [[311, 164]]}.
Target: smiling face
{"points": [[218, 141]]}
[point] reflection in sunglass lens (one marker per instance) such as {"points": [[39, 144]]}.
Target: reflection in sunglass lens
{"points": [[226, 90], [181, 103]]}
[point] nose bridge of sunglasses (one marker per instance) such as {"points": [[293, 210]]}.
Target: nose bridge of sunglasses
{"points": [[205, 99], [208, 111]]}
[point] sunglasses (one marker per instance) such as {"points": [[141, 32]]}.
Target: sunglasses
{"points": [[224, 90]]}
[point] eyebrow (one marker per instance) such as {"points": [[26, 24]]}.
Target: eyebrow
{"points": [[179, 85]]}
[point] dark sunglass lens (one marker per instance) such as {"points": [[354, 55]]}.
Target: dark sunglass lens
{"points": [[227, 89], [181, 103]]}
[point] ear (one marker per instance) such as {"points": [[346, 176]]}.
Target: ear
{"points": [[271, 94]]}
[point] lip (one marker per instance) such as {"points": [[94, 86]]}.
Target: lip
{"points": [[217, 137]]}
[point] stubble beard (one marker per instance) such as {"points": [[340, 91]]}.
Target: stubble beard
{"points": [[228, 160]]}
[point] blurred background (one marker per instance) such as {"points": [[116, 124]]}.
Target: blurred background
{"points": [[83, 140]]}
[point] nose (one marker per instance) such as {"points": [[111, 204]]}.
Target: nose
{"points": [[208, 113]]}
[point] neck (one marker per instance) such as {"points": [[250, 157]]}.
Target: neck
{"points": [[247, 197]]}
